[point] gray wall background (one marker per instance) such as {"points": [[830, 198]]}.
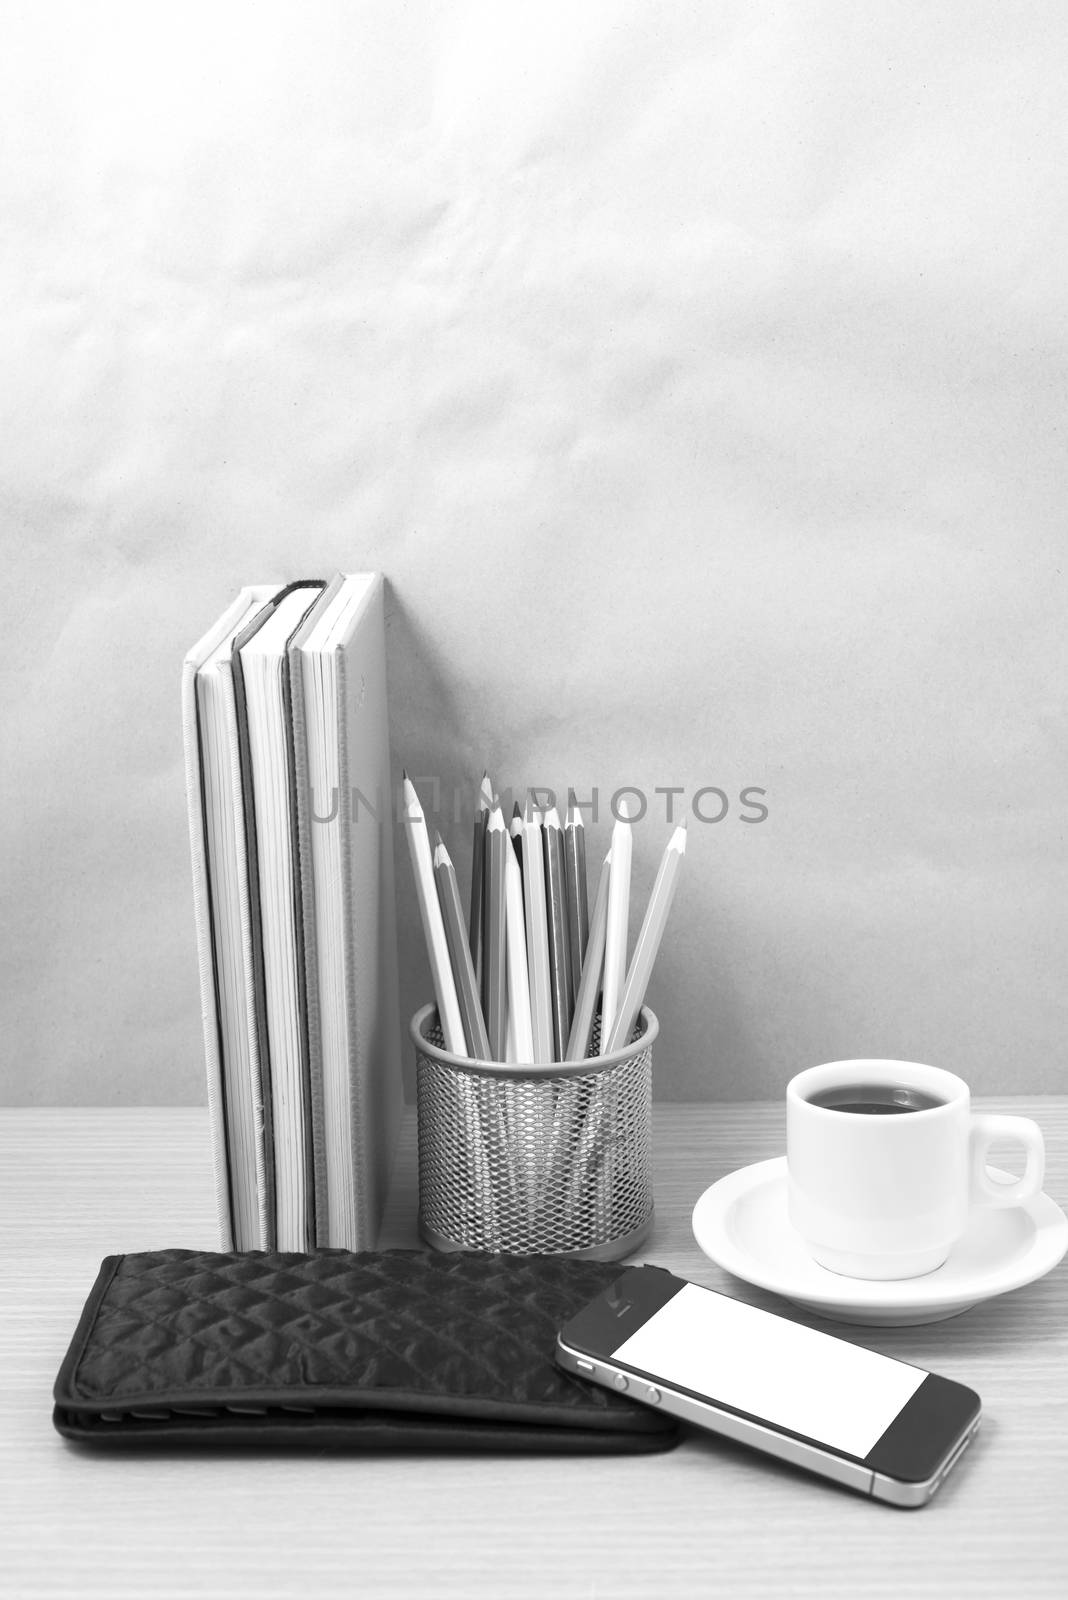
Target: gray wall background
{"points": [[696, 375]]}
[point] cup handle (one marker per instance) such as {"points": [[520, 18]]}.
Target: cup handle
{"points": [[986, 1128]]}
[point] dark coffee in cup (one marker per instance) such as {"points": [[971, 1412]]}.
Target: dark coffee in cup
{"points": [[874, 1099]]}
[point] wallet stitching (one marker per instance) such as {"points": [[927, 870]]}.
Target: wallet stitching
{"points": [[295, 1386], [415, 1320]]}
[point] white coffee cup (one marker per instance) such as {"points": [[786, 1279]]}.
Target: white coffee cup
{"points": [[887, 1196]]}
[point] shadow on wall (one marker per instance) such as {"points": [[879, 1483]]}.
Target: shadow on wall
{"points": [[439, 735], [431, 736]]}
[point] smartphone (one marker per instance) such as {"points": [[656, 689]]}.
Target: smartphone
{"points": [[883, 1427]]}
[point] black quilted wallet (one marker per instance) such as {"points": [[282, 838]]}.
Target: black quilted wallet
{"points": [[398, 1349]]}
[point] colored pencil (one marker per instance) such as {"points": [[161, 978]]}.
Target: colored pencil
{"points": [[515, 830], [519, 1020], [462, 967], [494, 970], [648, 944], [556, 910], [478, 856], [578, 911], [615, 938], [537, 931], [433, 926], [586, 999]]}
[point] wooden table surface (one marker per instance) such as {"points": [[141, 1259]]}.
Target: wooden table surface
{"points": [[706, 1519]]}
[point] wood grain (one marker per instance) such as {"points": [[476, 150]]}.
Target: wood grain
{"points": [[707, 1519]]}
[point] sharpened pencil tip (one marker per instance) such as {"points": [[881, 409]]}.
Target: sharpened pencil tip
{"points": [[413, 810], [517, 815], [485, 793], [551, 818]]}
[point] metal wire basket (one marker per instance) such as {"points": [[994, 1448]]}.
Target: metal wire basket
{"points": [[547, 1160]]}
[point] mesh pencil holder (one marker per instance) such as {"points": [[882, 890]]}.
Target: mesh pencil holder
{"points": [[546, 1160]]}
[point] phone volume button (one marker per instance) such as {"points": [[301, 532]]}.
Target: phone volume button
{"points": [[652, 1394], [620, 1382]]}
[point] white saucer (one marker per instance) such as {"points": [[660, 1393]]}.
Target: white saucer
{"points": [[741, 1223]]}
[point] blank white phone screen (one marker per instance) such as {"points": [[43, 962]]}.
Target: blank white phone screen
{"points": [[790, 1376]]}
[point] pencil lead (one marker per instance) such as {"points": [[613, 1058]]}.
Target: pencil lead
{"points": [[516, 813]]}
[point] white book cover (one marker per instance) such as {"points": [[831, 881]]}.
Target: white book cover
{"points": [[346, 835], [223, 929], [266, 747]]}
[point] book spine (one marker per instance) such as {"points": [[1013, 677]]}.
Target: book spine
{"points": [[307, 951], [209, 1007], [376, 1095], [259, 1083]]}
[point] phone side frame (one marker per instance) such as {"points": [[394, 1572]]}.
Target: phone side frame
{"points": [[744, 1430]]}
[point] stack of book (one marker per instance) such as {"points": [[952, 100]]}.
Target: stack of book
{"points": [[288, 785]]}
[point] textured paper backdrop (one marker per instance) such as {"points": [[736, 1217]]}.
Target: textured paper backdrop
{"points": [[697, 375]]}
